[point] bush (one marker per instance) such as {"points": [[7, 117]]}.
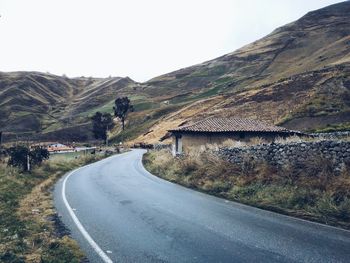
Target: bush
{"points": [[18, 157], [21, 156]]}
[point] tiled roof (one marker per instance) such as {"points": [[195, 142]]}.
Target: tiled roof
{"points": [[230, 125]]}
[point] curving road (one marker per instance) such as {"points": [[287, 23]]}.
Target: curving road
{"points": [[118, 212]]}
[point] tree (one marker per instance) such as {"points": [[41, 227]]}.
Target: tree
{"points": [[19, 157], [121, 109], [38, 155], [24, 158], [101, 124]]}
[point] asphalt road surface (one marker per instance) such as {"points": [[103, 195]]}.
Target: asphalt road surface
{"points": [[118, 212]]}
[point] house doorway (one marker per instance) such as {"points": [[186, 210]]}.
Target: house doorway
{"points": [[178, 144]]}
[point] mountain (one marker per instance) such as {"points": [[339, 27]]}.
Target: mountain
{"points": [[318, 39], [298, 76], [35, 103]]}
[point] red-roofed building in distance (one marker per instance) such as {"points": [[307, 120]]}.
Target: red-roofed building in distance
{"points": [[58, 147]]}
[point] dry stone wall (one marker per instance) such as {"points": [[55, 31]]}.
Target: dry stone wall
{"points": [[296, 152]]}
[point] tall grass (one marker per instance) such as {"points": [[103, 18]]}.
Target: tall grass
{"points": [[310, 189], [27, 232]]}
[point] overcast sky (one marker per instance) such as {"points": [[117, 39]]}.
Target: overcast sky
{"points": [[140, 39]]}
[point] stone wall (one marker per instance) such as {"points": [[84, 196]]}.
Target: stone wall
{"points": [[288, 153], [332, 135]]}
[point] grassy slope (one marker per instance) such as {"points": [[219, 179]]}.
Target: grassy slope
{"points": [[300, 102], [297, 76], [140, 122], [279, 78], [27, 229], [289, 50], [289, 75], [310, 191], [41, 102]]}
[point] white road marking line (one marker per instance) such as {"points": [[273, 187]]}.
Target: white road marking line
{"points": [[86, 235]]}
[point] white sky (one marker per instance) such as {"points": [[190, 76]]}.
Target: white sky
{"points": [[136, 38]]}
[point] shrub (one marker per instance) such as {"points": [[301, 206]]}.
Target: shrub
{"points": [[23, 157], [18, 156]]}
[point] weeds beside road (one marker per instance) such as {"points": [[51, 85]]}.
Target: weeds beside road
{"points": [[310, 190], [28, 222]]}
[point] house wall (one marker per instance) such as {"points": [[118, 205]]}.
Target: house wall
{"points": [[198, 139]]}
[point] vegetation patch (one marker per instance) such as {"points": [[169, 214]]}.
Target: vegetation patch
{"points": [[335, 127], [108, 107], [309, 190], [208, 93], [28, 223], [141, 123]]}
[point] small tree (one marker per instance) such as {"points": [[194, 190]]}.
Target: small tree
{"points": [[19, 157], [38, 155], [121, 109], [101, 124], [24, 158]]}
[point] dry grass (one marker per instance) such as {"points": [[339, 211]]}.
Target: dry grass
{"points": [[287, 140], [27, 232], [310, 190], [257, 140], [233, 143]]}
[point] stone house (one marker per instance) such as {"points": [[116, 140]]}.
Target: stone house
{"points": [[217, 130]]}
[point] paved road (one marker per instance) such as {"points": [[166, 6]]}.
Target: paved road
{"points": [[133, 216]]}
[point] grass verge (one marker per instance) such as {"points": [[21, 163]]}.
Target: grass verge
{"points": [[310, 190], [30, 230]]}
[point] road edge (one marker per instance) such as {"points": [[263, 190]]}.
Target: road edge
{"points": [[75, 219]]}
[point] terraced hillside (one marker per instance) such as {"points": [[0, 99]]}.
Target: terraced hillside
{"points": [[297, 76]]}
